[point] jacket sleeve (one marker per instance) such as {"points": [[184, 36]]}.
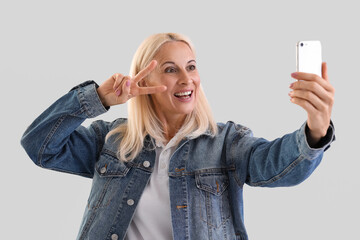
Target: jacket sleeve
{"points": [[56, 140], [285, 161]]}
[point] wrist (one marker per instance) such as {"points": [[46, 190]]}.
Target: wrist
{"points": [[313, 137], [101, 97]]}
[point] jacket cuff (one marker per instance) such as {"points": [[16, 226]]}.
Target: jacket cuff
{"points": [[89, 99], [324, 143]]}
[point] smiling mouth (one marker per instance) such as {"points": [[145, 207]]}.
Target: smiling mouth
{"points": [[184, 95]]}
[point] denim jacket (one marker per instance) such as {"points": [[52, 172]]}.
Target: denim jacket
{"points": [[206, 174]]}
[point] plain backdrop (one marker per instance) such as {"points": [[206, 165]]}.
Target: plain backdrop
{"points": [[245, 54]]}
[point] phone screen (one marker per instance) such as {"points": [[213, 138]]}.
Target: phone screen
{"points": [[309, 57]]}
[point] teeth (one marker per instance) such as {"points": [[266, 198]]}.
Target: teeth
{"points": [[183, 94]]}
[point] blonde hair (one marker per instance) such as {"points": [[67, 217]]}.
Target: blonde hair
{"points": [[142, 119]]}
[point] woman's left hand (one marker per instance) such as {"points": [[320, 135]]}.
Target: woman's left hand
{"points": [[316, 96]]}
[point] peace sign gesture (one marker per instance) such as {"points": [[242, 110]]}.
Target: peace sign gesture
{"points": [[119, 88]]}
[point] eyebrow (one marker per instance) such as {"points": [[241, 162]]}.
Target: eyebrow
{"points": [[170, 62]]}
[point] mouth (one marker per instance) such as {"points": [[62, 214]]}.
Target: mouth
{"points": [[184, 95]]}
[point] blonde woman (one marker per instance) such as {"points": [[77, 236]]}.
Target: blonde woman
{"points": [[169, 171]]}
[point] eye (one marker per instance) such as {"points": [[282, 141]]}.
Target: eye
{"points": [[170, 70], [192, 67]]}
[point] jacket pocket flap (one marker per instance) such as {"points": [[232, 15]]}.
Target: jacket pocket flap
{"points": [[215, 183], [110, 166]]}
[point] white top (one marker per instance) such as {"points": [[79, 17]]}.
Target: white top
{"points": [[152, 219]]}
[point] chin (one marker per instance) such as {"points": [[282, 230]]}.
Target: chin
{"points": [[187, 111]]}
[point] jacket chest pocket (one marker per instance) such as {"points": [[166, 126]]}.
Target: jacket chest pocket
{"points": [[213, 198], [108, 182]]}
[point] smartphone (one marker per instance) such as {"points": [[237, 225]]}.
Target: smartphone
{"points": [[308, 57]]}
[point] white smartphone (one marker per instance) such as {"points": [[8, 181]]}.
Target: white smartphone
{"points": [[308, 57]]}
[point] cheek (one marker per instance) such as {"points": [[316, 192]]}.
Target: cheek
{"points": [[196, 79], [161, 98], [161, 80], [154, 79], [197, 82]]}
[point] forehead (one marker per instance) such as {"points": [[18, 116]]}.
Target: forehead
{"points": [[174, 51]]}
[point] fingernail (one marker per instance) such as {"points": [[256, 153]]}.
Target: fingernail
{"points": [[291, 85], [294, 75], [128, 83], [290, 94], [117, 93]]}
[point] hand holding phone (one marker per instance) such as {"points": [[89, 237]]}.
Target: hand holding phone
{"points": [[312, 91]]}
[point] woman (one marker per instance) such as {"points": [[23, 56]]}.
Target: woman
{"points": [[168, 171]]}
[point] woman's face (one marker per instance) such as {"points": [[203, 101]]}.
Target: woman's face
{"points": [[176, 69]]}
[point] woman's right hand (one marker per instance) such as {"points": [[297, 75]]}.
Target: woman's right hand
{"points": [[119, 88]]}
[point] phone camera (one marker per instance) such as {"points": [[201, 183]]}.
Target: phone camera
{"points": [[301, 44]]}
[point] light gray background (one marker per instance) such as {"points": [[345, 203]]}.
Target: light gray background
{"points": [[246, 52]]}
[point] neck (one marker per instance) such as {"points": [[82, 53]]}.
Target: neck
{"points": [[171, 124]]}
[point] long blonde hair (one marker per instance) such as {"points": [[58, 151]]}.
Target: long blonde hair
{"points": [[142, 119]]}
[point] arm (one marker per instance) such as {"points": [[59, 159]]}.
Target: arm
{"points": [[286, 161], [291, 159], [56, 139]]}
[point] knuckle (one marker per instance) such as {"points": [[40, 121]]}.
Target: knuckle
{"points": [[119, 76], [309, 95], [317, 78], [296, 85], [306, 94], [313, 85], [311, 76], [332, 89], [322, 107]]}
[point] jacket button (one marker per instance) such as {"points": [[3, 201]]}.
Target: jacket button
{"points": [[114, 237], [130, 202], [146, 164], [103, 170]]}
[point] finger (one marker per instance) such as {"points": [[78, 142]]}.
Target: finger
{"points": [[126, 87], [120, 87], [313, 87], [117, 77], [309, 96], [146, 71], [310, 77], [152, 90], [306, 76], [324, 71], [324, 82], [326, 95], [124, 83], [307, 106]]}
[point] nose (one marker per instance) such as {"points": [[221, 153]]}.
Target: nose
{"points": [[185, 78]]}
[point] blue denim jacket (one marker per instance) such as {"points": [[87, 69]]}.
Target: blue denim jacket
{"points": [[206, 174]]}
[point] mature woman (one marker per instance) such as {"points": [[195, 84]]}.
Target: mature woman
{"points": [[169, 171]]}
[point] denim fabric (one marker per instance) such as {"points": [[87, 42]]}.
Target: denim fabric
{"points": [[206, 174]]}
